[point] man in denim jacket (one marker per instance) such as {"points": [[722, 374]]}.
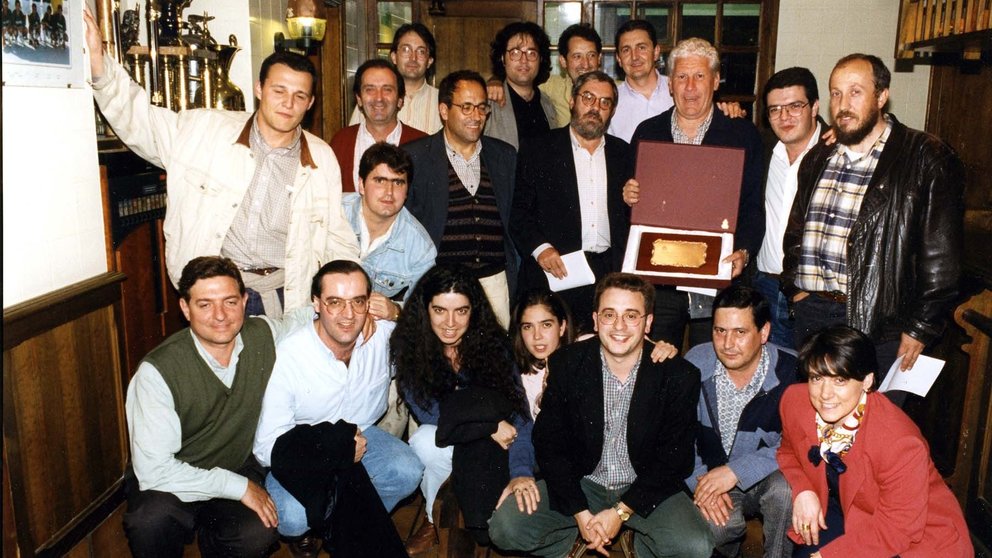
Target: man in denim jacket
{"points": [[395, 249]]}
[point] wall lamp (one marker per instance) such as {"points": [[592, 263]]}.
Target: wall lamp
{"points": [[307, 22]]}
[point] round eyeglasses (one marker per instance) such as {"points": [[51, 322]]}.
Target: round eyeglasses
{"points": [[630, 317], [588, 99]]}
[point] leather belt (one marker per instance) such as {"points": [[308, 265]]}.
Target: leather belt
{"points": [[263, 271], [774, 276], [835, 296]]}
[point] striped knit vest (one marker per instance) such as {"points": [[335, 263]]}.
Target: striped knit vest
{"points": [[473, 234]]}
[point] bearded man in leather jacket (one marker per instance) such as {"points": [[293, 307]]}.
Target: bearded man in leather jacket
{"points": [[874, 238]]}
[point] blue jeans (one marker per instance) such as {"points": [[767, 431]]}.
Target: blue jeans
{"points": [[783, 326], [674, 528], [393, 467]]}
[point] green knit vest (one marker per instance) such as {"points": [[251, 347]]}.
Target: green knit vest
{"points": [[218, 423]]}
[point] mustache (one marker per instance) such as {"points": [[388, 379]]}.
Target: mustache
{"points": [[845, 114]]}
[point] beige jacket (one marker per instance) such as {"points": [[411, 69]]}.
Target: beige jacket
{"points": [[209, 167]]}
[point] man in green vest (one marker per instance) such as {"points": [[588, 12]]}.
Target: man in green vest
{"points": [[192, 408]]}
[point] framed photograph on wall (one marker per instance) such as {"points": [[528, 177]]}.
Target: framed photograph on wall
{"points": [[43, 43]]}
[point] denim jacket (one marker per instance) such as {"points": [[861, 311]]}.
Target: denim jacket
{"points": [[402, 258]]}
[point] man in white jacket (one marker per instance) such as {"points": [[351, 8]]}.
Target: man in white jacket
{"points": [[255, 188]]}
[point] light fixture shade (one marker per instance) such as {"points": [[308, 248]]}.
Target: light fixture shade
{"points": [[306, 19], [309, 27]]}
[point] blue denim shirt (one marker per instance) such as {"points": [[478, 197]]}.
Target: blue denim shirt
{"points": [[402, 258]]}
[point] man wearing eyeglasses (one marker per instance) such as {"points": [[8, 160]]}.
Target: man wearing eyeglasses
{"points": [[413, 52], [329, 372], [521, 57], [580, 51], [462, 190], [614, 442], [793, 107], [569, 196]]}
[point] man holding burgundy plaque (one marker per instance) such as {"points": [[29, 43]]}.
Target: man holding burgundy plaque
{"points": [[694, 76]]}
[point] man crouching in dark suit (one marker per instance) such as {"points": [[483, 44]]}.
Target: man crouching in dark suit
{"points": [[569, 196], [614, 441]]}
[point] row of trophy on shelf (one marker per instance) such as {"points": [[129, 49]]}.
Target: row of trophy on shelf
{"points": [[182, 66]]}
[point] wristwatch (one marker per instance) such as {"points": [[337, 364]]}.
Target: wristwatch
{"points": [[624, 514]]}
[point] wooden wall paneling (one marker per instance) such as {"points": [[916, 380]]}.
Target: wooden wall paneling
{"points": [[134, 258], [463, 34], [334, 78], [960, 113], [64, 427]]}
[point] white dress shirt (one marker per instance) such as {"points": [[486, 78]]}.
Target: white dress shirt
{"points": [[309, 385], [590, 176], [780, 191]]}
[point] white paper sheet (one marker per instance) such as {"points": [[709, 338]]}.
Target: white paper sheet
{"points": [[918, 379], [579, 273]]}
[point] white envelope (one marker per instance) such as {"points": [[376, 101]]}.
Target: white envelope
{"points": [[579, 273]]}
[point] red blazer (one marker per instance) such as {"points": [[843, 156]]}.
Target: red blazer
{"points": [[895, 502], [343, 145]]}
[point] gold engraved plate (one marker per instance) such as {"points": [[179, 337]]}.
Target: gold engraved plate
{"points": [[678, 253]]}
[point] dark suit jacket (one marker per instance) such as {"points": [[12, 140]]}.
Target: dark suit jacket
{"points": [[343, 145], [726, 132], [427, 198], [661, 427], [546, 200], [895, 502]]}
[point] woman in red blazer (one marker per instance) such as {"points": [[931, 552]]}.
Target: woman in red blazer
{"points": [[860, 471]]}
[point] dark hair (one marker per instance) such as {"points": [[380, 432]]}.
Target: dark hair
{"points": [[343, 267], [295, 62], [425, 35], [740, 296], [384, 153], [840, 351], [555, 305], [446, 89], [498, 46], [205, 267], [484, 354], [595, 75], [626, 282], [356, 88], [789, 77], [635, 25], [879, 73], [582, 31]]}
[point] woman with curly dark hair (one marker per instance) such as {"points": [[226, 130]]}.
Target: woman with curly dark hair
{"points": [[454, 366]]}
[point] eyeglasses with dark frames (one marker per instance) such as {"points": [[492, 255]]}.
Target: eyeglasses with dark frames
{"points": [[469, 108], [588, 99]]}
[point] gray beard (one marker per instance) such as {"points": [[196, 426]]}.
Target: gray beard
{"points": [[586, 129]]}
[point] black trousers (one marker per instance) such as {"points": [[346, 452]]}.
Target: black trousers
{"points": [[160, 525]]}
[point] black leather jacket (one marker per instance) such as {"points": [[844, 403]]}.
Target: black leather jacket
{"points": [[904, 250]]}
